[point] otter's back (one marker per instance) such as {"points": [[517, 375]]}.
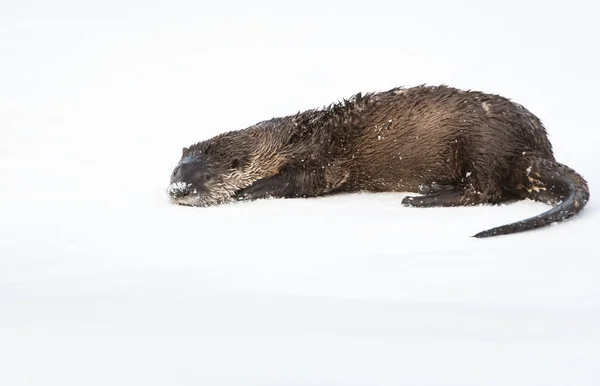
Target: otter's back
{"points": [[437, 133]]}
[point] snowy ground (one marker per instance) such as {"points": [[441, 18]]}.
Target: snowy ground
{"points": [[103, 282]]}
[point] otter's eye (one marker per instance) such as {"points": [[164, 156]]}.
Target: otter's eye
{"points": [[235, 163], [207, 177]]}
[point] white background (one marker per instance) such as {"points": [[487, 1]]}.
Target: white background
{"points": [[103, 282]]}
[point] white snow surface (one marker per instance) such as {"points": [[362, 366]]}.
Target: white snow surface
{"points": [[104, 282]]}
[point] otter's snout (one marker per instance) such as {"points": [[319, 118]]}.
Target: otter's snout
{"points": [[179, 189]]}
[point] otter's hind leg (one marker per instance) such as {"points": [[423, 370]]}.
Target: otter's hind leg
{"points": [[441, 198], [455, 196], [434, 194], [435, 187]]}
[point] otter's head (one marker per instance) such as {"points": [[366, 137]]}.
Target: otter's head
{"points": [[209, 173]]}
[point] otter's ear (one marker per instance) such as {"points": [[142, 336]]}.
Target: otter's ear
{"points": [[185, 151], [238, 163]]}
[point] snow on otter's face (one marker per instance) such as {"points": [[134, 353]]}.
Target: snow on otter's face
{"points": [[182, 193], [198, 182], [177, 186], [204, 199]]}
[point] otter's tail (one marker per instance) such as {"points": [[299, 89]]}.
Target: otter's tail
{"points": [[552, 183]]}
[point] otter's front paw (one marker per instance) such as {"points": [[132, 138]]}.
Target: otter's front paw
{"points": [[265, 188]]}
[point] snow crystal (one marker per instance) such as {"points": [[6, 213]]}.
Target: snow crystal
{"points": [[178, 186]]}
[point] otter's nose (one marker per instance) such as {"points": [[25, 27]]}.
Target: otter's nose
{"points": [[178, 189]]}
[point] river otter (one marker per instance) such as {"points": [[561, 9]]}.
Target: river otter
{"points": [[454, 147]]}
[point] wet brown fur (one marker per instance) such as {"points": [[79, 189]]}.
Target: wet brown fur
{"points": [[455, 147]]}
